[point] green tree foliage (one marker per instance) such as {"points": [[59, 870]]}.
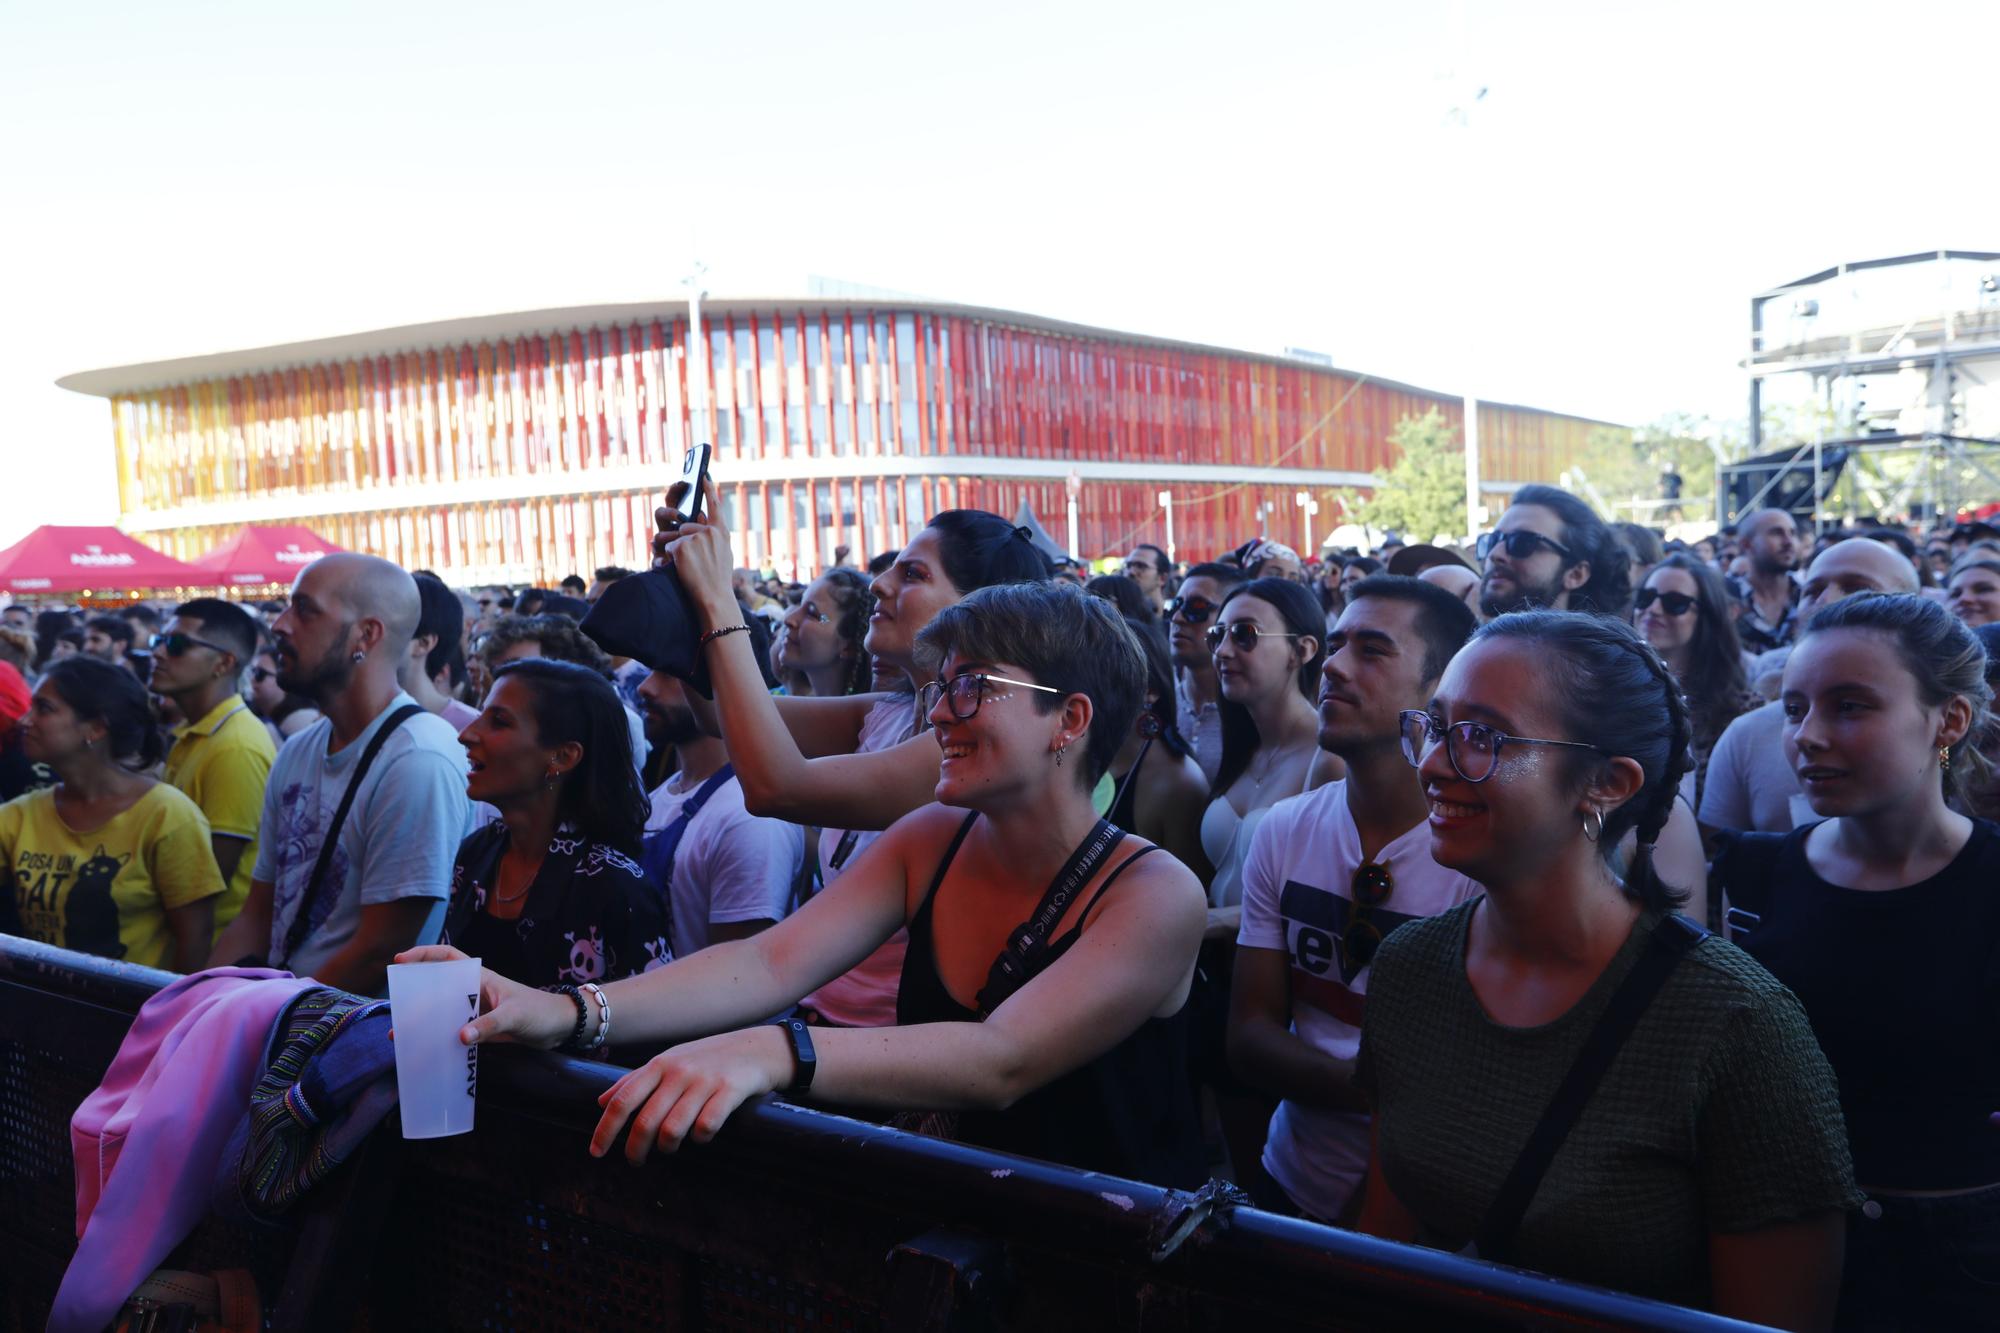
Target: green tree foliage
{"points": [[1422, 495], [1622, 465]]}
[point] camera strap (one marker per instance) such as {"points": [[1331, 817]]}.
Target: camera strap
{"points": [[1011, 970]]}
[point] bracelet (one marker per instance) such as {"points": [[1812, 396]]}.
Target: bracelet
{"points": [[569, 1043], [603, 1032], [714, 634], [805, 1062]]}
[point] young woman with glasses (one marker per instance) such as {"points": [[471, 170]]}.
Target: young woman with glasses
{"points": [[1707, 1165], [824, 635], [1684, 611], [1068, 1050], [1884, 921], [849, 765]]}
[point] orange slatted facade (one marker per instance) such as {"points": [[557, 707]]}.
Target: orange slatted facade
{"points": [[528, 452]]}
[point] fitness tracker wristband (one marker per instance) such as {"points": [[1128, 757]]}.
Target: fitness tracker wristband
{"points": [[802, 1050]]}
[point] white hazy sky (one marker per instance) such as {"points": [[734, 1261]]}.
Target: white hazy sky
{"points": [[191, 177]]}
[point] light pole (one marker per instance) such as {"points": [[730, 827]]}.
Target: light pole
{"points": [[1307, 508], [1072, 488], [1166, 499]]}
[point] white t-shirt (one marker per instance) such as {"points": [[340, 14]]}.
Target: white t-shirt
{"points": [[1297, 897], [1751, 787], [400, 839], [731, 865]]}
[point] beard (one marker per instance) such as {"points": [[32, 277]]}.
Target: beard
{"points": [[324, 679], [1515, 595], [670, 726], [1769, 565]]}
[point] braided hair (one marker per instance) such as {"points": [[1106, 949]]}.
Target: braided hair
{"points": [[1614, 692], [852, 592]]}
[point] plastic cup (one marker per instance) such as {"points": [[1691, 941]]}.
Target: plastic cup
{"points": [[437, 1077]]}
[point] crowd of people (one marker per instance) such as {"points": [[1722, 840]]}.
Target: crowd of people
{"points": [[1508, 899]]}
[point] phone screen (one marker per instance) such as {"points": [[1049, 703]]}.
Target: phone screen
{"points": [[694, 471]]}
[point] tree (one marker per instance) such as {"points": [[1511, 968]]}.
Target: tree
{"points": [[1422, 495]]}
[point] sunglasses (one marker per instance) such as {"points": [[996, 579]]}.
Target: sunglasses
{"points": [[1244, 635], [1519, 544], [173, 645], [966, 692], [1190, 610], [1370, 888], [1473, 747], [1673, 603]]}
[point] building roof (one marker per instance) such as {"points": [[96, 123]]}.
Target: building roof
{"points": [[113, 381]]}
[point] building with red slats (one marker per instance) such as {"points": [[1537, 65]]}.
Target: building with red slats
{"points": [[522, 447]]}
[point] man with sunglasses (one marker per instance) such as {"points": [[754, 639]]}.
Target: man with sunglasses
{"points": [[221, 755], [1329, 874], [1197, 690], [1551, 550]]}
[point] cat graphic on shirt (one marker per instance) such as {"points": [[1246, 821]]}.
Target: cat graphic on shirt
{"points": [[90, 917]]}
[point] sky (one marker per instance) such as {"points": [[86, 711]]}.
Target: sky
{"points": [[1584, 237]]}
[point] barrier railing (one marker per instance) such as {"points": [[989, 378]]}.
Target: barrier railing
{"points": [[791, 1219]]}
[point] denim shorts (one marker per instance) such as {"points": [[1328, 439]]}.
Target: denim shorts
{"points": [[1928, 1263]]}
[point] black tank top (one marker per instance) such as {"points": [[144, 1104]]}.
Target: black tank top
{"points": [[1130, 1112]]}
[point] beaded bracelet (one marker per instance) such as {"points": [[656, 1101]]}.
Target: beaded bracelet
{"points": [[603, 1033], [569, 1043], [714, 634]]}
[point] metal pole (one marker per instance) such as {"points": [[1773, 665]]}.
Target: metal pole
{"points": [[1167, 503], [1075, 546], [1471, 468]]}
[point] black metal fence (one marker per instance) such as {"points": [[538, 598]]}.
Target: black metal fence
{"points": [[791, 1220]]}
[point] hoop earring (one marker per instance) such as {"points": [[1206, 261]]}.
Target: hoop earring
{"points": [[1944, 757], [1590, 834]]}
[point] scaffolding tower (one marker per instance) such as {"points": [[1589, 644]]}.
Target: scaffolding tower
{"points": [[1891, 368]]}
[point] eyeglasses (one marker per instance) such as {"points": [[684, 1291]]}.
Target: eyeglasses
{"points": [[1673, 603], [1520, 544], [968, 691], [1244, 635], [173, 645], [1371, 886], [1190, 610], [1473, 747], [258, 675]]}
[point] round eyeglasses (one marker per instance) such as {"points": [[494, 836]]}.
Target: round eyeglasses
{"points": [[1472, 747], [966, 692]]}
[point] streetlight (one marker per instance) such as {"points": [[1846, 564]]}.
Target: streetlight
{"points": [[1307, 508], [1166, 499]]}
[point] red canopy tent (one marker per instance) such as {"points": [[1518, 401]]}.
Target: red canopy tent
{"points": [[75, 559], [271, 553]]}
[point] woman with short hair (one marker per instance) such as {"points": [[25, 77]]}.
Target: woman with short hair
{"points": [[109, 861], [1065, 1047], [1707, 1164], [551, 892]]}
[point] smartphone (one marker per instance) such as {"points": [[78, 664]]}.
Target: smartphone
{"points": [[694, 471]]}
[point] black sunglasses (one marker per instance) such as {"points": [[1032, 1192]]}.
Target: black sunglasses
{"points": [[173, 645], [1520, 544], [1244, 635], [1673, 603], [1371, 886], [1190, 610]]}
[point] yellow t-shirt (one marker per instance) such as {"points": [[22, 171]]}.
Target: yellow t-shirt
{"points": [[106, 891], [221, 762]]}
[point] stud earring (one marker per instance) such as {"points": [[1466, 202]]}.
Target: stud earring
{"points": [[359, 658]]}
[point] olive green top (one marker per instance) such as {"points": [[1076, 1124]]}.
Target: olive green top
{"points": [[1719, 1113]]}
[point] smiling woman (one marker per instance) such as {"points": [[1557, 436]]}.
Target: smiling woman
{"points": [[1049, 956]]}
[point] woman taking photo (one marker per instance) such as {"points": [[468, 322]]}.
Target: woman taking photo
{"points": [[823, 636], [1683, 610], [551, 892], [1884, 699], [1066, 1050], [848, 766], [1707, 1165], [109, 861]]}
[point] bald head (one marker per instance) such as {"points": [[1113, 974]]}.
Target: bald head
{"points": [[1748, 528], [1770, 542], [365, 587], [1852, 566]]}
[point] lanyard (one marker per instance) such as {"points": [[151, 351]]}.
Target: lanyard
{"points": [[1026, 941]]}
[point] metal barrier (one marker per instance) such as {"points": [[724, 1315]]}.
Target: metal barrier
{"points": [[791, 1219]]}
